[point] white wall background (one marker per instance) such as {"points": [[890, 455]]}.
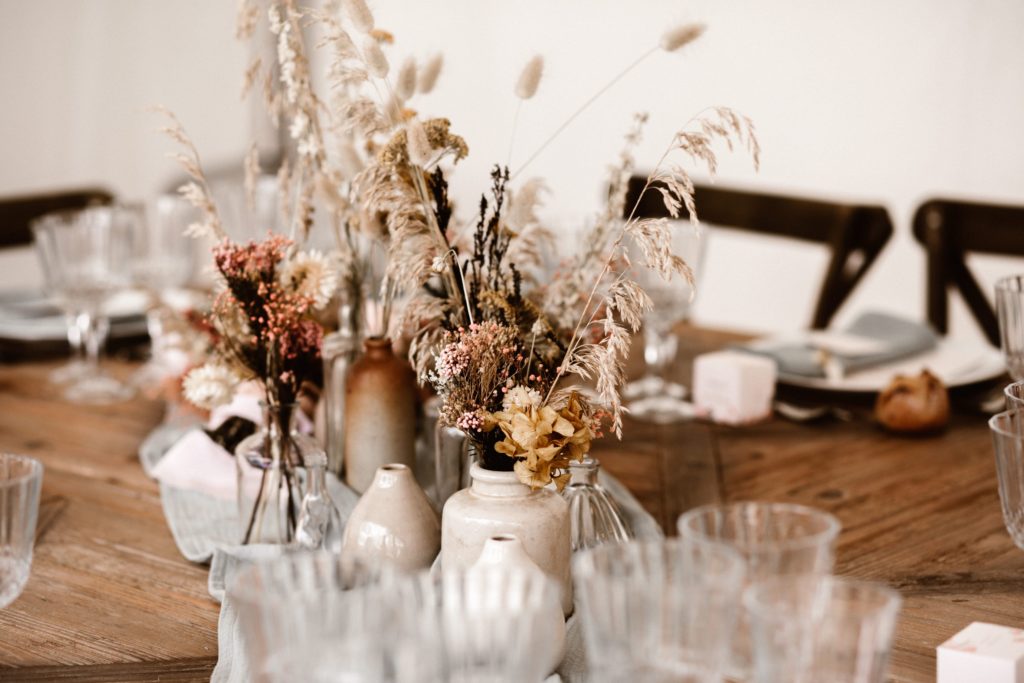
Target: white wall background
{"points": [[868, 100]]}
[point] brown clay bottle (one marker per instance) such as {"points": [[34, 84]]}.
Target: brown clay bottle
{"points": [[380, 413]]}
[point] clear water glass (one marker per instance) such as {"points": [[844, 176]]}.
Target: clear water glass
{"points": [[86, 259], [1008, 442], [594, 516], [21, 479], [774, 539], [809, 629], [479, 625], [654, 612], [311, 617], [1014, 394], [1010, 310], [656, 396]]}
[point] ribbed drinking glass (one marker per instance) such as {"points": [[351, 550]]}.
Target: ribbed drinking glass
{"points": [[21, 479], [1008, 442], [810, 629], [774, 539], [658, 611], [311, 617], [478, 625]]}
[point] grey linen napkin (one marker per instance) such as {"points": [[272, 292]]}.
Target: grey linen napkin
{"points": [[900, 337]]}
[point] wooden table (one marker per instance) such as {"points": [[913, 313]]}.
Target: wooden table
{"points": [[110, 597]]}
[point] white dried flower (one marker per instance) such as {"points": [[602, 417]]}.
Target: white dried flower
{"points": [[359, 14], [376, 62], [521, 397], [429, 73], [675, 38], [300, 125], [210, 385], [274, 19], [420, 151], [529, 79], [438, 264], [311, 274], [406, 83]]}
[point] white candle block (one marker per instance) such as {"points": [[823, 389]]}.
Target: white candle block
{"points": [[734, 387], [982, 652]]}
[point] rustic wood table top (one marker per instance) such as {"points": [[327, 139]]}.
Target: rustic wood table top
{"points": [[111, 599]]}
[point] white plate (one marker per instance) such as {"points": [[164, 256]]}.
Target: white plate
{"points": [[956, 362]]}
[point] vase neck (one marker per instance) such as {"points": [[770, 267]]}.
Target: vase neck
{"points": [[497, 484], [583, 473]]}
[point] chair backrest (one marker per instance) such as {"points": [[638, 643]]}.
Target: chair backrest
{"points": [[949, 230], [854, 233], [17, 213]]}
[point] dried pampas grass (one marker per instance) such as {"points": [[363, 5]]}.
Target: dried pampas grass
{"points": [[405, 85], [529, 78], [358, 12], [429, 73], [376, 62], [679, 36]]}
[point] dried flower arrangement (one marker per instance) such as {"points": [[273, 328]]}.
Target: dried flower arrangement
{"points": [[497, 345]]}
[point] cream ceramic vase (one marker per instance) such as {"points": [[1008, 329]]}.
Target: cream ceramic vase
{"points": [[393, 522], [506, 550], [380, 413], [498, 503]]}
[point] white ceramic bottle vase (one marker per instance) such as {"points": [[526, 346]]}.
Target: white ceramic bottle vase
{"points": [[498, 503], [393, 522], [505, 550]]}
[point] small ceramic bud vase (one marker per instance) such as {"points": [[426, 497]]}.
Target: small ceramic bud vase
{"points": [[498, 503], [380, 414], [393, 522], [505, 550]]}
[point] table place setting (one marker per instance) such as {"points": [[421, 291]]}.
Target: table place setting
{"points": [[388, 431]]}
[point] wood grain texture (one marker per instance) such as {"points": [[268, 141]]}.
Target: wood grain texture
{"points": [[110, 597]]}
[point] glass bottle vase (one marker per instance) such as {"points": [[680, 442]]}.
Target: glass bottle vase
{"points": [[594, 516], [339, 351], [269, 466]]}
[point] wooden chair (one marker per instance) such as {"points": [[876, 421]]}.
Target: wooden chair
{"points": [[854, 233], [949, 230], [17, 213]]}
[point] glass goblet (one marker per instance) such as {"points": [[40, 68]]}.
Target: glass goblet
{"points": [[657, 397], [1008, 442], [86, 259], [21, 479]]}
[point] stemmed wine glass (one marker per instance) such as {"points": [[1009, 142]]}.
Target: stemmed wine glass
{"points": [[655, 396], [86, 259], [163, 265]]}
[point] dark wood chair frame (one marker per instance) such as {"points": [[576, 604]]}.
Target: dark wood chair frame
{"points": [[855, 234], [17, 213], [949, 230]]}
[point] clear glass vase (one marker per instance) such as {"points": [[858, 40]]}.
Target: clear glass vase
{"points": [[319, 526], [594, 515], [339, 351], [269, 465]]}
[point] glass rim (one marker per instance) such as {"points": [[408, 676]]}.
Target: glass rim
{"points": [[889, 599], [35, 469], [250, 588], [1010, 283], [831, 531], [1019, 384], [993, 424], [734, 571]]}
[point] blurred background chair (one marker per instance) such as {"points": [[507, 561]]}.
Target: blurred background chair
{"points": [[855, 234], [16, 213], [949, 230]]}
